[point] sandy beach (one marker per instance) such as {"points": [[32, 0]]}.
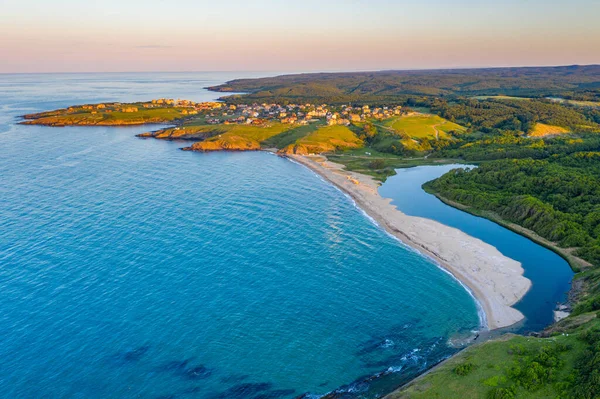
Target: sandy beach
{"points": [[495, 280]]}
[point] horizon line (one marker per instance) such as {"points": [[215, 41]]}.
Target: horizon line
{"points": [[317, 71]]}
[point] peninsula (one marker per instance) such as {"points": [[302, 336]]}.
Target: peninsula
{"points": [[121, 114]]}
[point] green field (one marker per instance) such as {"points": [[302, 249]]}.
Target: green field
{"points": [[288, 137], [419, 126], [109, 116], [500, 98], [326, 139], [241, 137], [189, 132], [256, 133], [517, 367], [380, 165]]}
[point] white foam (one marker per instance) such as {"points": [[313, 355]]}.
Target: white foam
{"points": [[480, 311]]}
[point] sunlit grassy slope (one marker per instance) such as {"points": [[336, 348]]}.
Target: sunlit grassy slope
{"points": [[325, 139], [241, 137], [291, 136], [541, 130], [420, 126], [516, 366], [100, 117]]}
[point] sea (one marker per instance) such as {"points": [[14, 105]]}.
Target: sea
{"points": [[131, 269]]}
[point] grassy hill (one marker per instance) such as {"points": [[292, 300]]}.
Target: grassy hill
{"points": [[111, 114], [240, 137], [419, 126], [563, 364], [576, 82], [288, 137], [325, 139], [542, 130]]}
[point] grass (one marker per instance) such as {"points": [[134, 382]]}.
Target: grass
{"points": [[481, 369], [288, 137], [256, 133], [380, 165], [326, 139], [188, 132], [500, 98], [419, 126], [584, 103], [542, 130], [100, 117], [241, 137], [579, 103]]}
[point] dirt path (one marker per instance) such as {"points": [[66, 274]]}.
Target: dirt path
{"points": [[437, 132], [372, 157]]}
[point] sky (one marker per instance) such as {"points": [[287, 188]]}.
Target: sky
{"points": [[298, 36]]}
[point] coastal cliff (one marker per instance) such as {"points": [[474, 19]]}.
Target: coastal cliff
{"points": [[232, 143]]}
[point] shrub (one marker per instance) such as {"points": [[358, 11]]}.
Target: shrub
{"points": [[377, 164], [464, 369], [503, 393]]}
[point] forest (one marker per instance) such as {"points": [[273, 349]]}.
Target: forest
{"points": [[494, 116], [396, 87], [557, 197], [491, 129]]}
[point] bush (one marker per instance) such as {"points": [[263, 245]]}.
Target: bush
{"points": [[377, 164], [464, 369], [503, 393], [589, 305]]}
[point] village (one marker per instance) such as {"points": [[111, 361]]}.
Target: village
{"points": [[304, 114], [215, 113]]}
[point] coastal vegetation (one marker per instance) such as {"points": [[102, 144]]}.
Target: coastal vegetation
{"points": [[240, 138], [558, 197], [388, 87], [538, 162], [291, 136], [325, 139], [118, 114], [498, 115], [188, 132], [543, 130], [419, 126], [563, 363]]}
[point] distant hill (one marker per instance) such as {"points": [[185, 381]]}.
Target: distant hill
{"points": [[573, 82]]}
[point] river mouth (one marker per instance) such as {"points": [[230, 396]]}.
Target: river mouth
{"points": [[549, 273]]}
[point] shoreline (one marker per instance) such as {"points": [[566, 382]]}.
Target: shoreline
{"points": [[480, 310], [575, 263], [495, 281]]}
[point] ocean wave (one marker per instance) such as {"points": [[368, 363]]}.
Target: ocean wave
{"points": [[480, 311]]}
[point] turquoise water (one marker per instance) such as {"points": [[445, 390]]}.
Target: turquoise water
{"points": [[132, 269], [550, 274]]}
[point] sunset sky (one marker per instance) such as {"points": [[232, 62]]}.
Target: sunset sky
{"points": [[308, 35]]}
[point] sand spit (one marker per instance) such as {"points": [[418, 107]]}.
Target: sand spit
{"points": [[496, 281]]}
